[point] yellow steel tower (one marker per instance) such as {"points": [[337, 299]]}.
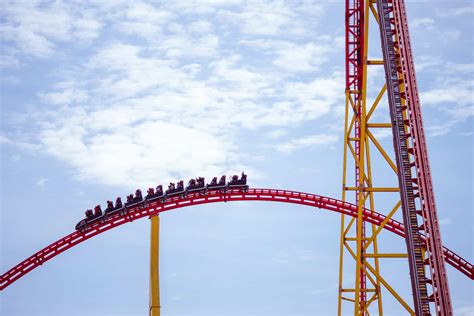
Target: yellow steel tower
{"points": [[359, 249]]}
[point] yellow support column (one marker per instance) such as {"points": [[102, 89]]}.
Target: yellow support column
{"points": [[154, 266]]}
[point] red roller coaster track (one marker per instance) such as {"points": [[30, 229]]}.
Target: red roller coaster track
{"points": [[272, 195]]}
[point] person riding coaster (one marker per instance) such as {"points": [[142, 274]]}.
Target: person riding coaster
{"points": [[134, 200], [222, 180], [159, 190], [197, 184], [241, 183], [88, 213], [153, 194], [150, 192], [215, 185], [97, 210], [177, 189], [111, 208], [118, 202]]}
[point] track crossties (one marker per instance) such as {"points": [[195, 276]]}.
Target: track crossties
{"points": [[269, 195]]}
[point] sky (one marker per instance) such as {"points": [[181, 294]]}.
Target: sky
{"points": [[99, 98]]}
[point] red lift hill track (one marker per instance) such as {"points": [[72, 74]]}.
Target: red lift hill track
{"points": [[272, 195]]}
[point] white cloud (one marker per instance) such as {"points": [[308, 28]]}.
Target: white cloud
{"points": [[305, 142], [173, 90], [298, 57], [439, 130], [167, 123], [4, 140], [277, 133], [201, 27], [41, 183], [458, 93], [143, 20], [143, 154], [465, 310], [424, 23], [452, 97], [184, 46], [445, 221], [8, 61], [261, 18], [455, 12], [19, 143], [64, 97], [302, 58], [35, 29], [272, 18], [201, 7], [15, 158]]}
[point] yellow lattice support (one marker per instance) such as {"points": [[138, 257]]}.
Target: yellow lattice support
{"points": [[358, 244]]}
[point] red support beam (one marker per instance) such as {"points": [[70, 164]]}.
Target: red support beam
{"points": [[153, 208]]}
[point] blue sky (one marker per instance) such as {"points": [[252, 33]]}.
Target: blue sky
{"points": [[101, 97]]}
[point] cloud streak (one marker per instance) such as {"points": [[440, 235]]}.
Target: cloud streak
{"points": [[169, 96], [306, 142]]}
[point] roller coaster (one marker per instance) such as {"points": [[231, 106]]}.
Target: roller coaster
{"points": [[178, 189], [360, 222], [152, 208]]}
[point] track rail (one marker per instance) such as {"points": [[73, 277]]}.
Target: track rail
{"points": [[435, 267], [155, 207], [405, 176]]}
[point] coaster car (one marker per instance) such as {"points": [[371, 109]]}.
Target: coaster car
{"points": [[111, 209], [196, 185], [90, 217], [177, 189], [134, 200], [153, 194], [235, 182], [214, 185]]}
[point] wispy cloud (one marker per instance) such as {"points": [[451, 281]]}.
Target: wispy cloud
{"points": [[455, 100], [445, 221], [427, 23], [271, 18], [171, 93], [465, 310], [35, 30], [305, 142], [276, 133], [168, 124], [41, 183], [452, 95], [456, 12]]}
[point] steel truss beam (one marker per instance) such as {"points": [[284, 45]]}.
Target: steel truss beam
{"points": [[358, 140], [411, 165]]}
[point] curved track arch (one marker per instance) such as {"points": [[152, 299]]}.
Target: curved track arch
{"points": [[156, 207]]}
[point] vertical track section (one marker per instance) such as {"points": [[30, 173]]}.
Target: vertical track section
{"points": [[412, 159], [424, 192], [412, 236]]}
